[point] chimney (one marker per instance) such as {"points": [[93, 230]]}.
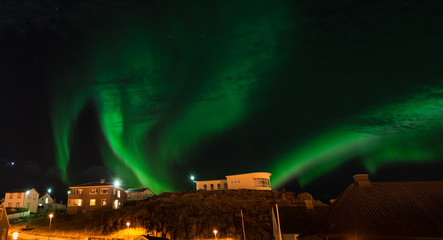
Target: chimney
{"points": [[309, 203], [102, 180], [362, 180]]}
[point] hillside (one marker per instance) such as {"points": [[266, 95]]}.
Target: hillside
{"points": [[190, 215]]}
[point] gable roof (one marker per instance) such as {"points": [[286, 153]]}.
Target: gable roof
{"points": [[134, 190], [384, 210], [293, 219], [93, 184], [21, 190]]}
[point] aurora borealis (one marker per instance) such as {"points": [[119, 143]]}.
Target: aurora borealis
{"points": [[152, 91]]}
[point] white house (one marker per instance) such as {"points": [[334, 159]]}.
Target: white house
{"points": [[137, 194], [22, 198], [45, 200], [256, 180]]}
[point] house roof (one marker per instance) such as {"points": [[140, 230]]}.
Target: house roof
{"points": [[293, 219], [383, 210], [93, 184], [134, 190], [20, 190]]}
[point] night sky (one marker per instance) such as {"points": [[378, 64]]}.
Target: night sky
{"points": [[150, 92]]}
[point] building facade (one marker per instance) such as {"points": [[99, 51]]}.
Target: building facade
{"points": [[94, 195], [256, 181], [138, 194], [22, 198]]}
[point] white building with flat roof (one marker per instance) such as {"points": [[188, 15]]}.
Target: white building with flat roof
{"points": [[256, 180]]}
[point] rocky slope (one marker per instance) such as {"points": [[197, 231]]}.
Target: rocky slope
{"points": [[193, 215]]}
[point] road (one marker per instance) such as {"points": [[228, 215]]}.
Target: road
{"points": [[30, 236]]}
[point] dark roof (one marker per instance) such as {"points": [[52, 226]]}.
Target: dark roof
{"points": [[133, 190], [19, 190], [293, 219], [384, 210], [92, 184]]}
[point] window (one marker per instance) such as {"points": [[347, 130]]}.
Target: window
{"points": [[11, 195], [205, 187], [92, 202], [17, 204], [114, 191], [262, 182], [118, 194], [74, 202], [218, 186], [46, 200], [103, 202], [29, 196], [92, 191], [226, 185], [212, 186], [9, 205], [28, 205], [104, 191], [79, 191], [34, 196], [19, 195]]}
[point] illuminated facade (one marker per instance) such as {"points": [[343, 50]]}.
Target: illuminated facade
{"points": [[256, 181], [22, 198], [91, 196], [4, 223]]}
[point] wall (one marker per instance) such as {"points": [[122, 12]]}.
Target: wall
{"points": [[32, 199], [200, 184], [246, 181], [86, 196]]}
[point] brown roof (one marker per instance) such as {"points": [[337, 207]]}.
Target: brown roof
{"points": [[384, 210], [93, 184], [293, 219], [133, 190]]}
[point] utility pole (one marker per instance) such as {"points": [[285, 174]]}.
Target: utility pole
{"points": [[278, 222], [243, 224]]}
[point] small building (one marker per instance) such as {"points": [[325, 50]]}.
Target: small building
{"points": [[138, 194], [4, 223], [94, 195], [22, 198], [45, 199], [256, 181], [382, 210]]}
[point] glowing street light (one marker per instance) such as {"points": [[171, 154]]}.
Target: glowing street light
{"points": [[15, 235], [193, 181], [50, 222], [192, 178], [215, 233], [117, 183], [128, 224], [69, 192], [49, 190]]}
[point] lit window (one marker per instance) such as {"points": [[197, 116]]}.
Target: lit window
{"points": [[92, 202], [92, 191], [118, 193], [262, 182], [79, 191], [46, 200], [103, 202], [74, 202]]}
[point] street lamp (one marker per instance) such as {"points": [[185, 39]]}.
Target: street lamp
{"points": [[15, 235], [49, 190], [128, 224], [215, 233], [50, 222], [117, 183], [193, 182]]}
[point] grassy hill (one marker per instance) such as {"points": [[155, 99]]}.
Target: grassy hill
{"points": [[188, 215]]}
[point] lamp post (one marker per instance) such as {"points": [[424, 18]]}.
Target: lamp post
{"points": [[49, 190], [193, 182], [50, 222], [127, 228], [215, 233]]}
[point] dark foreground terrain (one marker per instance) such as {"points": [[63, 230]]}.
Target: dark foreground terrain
{"points": [[188, 215]]}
